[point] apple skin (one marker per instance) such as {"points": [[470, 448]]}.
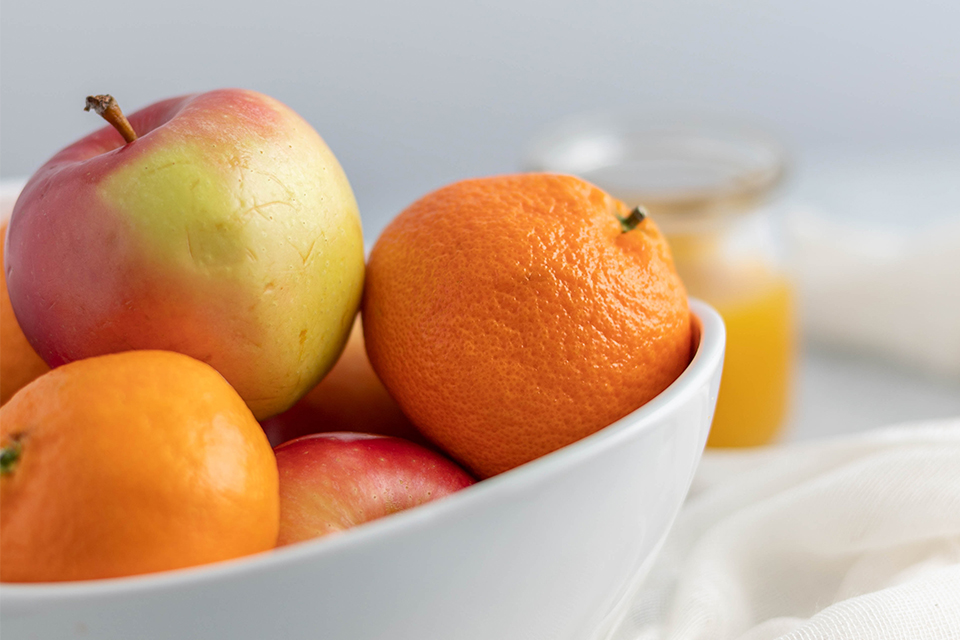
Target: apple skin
{"points": [[227, 231], [349, 398], [330, 482]]}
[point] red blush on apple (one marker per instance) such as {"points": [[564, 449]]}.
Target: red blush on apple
{"points": [[333, 481]]}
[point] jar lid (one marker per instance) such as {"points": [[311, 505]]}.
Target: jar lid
{"points": [[691, 173]]}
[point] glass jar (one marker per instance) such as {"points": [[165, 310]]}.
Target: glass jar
{"points": [[706, 184]]}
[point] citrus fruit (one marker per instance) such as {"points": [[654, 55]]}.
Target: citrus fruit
{"points": [[130, 463], [19, 363], [511, 316], [349, 398]]}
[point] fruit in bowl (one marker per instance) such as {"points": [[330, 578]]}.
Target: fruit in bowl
{"points": [[544, 551], [130, 463], [572, 505], [221, 226], [349, 398], [514, 315], [330, 482]]}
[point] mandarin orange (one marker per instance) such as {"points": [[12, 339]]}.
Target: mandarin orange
{"points": [[511, 316], [19, 363], [131, 463]]}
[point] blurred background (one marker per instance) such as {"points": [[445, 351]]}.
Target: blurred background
{"points": [[865, 96]]}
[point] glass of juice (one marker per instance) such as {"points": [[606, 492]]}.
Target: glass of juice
{"points": [[707, 183]]}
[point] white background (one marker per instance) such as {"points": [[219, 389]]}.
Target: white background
{"points": [[413, 95]]}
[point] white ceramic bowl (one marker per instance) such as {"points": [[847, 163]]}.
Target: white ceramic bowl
{"points": [[546, 550]]}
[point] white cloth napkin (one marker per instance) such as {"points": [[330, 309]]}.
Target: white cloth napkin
{"points": [[855, 538]]}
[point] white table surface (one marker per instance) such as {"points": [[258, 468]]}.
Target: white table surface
{"points": [[838, 393]]}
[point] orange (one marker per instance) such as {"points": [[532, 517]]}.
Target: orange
{"points": [[349, 398], [19, 363], [514, 315], [130, 463]]}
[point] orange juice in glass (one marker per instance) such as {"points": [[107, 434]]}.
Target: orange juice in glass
{"points": [[705, 183]]}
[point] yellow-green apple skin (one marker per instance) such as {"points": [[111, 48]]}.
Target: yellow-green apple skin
{"points": [[226, 231]]}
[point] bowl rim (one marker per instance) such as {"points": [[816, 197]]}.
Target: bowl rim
{"points": [[707, 359]]}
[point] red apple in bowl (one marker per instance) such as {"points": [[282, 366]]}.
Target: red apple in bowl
{"points": [[333, 481], [219, 225]]}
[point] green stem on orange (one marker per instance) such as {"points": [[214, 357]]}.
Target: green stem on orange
{"points": [[107, 108], [635, 217], [9, 456]]}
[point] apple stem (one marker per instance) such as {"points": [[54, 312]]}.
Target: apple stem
{"points": [[9, 456], [635, 217], [106, 107]]}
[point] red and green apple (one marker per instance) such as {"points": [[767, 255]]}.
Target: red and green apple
{"points": [[219, 225]]}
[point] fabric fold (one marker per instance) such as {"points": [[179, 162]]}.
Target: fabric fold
{"points": [[851, 538]]}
